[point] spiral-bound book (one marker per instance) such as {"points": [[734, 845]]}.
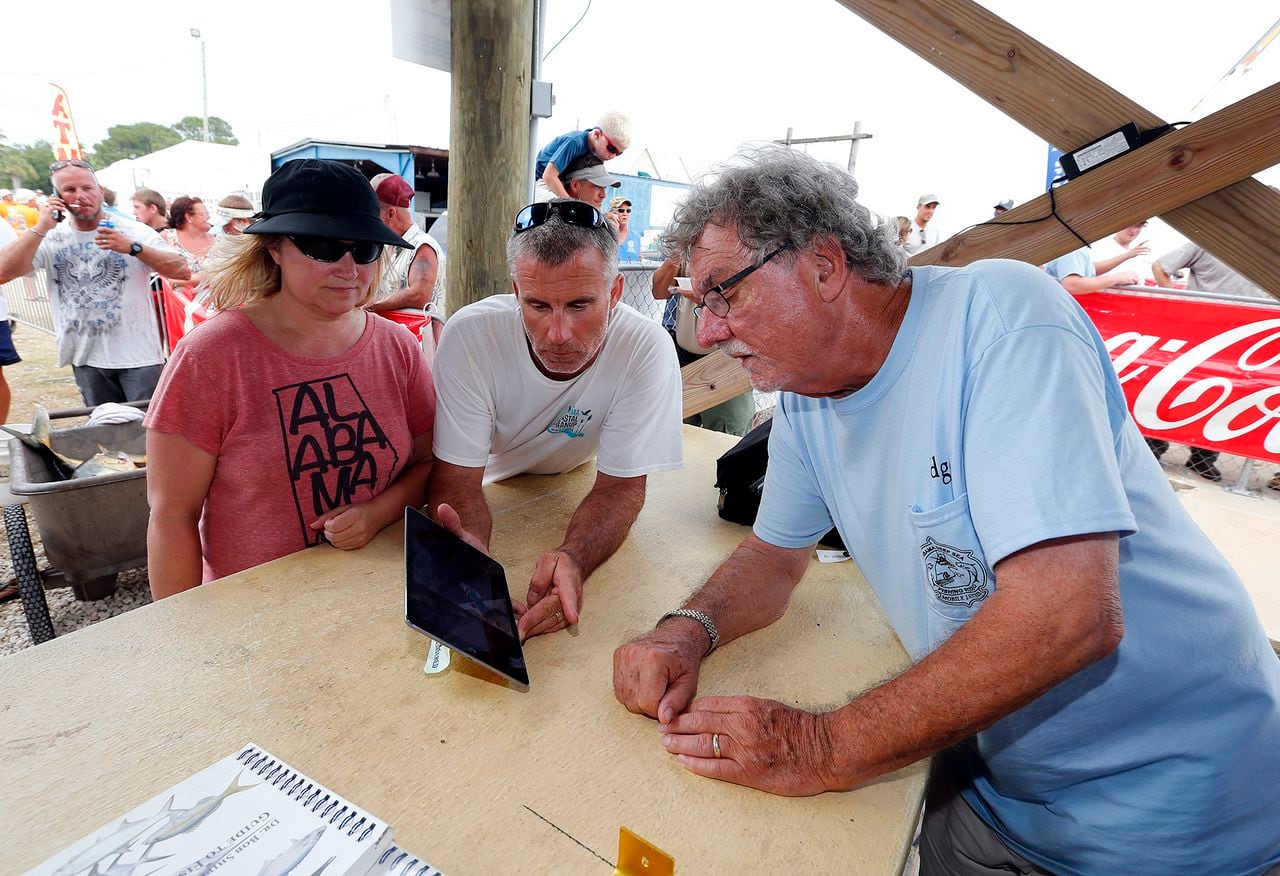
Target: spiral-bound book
{"points": [[249, 813]]}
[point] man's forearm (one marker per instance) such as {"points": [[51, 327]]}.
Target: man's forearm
{"points": [[16, 257], [166, 264], [405, 298], [1107, 265], [602, 521], [1010, 653], [465, 499], [751, 589]]}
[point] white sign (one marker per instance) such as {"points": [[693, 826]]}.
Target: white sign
{"points": [[420, 32]]}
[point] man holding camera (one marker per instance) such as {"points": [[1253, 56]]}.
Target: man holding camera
{"points": [[99, 271]]}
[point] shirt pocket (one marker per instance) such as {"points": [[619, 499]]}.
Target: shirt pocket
{"points": [[955, 577]]}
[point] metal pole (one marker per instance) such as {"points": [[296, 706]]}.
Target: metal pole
{"points": [[204, 76], [853, 146], [787, 142], [539, 27], [1241, 487]]}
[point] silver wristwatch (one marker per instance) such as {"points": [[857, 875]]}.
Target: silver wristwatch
{"points": [[702, 618]]}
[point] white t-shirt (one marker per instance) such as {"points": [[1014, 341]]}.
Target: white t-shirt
{"points": [[395, 277], [102, 310], [496, 409], [7, 236], [1108, 247], [920, 238]]}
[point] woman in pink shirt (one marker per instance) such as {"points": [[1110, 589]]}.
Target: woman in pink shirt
{"points": [[292, 417]]}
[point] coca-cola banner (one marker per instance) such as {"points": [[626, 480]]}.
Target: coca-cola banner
{"points": [[1196, 372]]}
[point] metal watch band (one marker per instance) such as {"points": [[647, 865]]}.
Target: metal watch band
{"points": [[700, 617]]}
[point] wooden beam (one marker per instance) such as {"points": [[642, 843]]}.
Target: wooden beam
{"points": [[1180, 167], [713, 379], [1067, 106]]}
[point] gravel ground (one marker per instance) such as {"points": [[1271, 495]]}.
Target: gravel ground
{"points": [[39, 379]]}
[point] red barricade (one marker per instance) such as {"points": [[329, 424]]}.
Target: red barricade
{"points": [[1197, 372]]}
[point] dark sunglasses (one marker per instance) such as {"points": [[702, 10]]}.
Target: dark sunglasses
{"points": [[327, 249], [624, 209], [69, 162], [608, 144], [576, 213]]}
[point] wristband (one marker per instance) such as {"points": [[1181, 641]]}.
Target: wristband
{"points": [[702, 618], [39, 234]]}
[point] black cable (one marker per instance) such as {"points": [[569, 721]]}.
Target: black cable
{"points": [[1053, 214], [569, 31]]}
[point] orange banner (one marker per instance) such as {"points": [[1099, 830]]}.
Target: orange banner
{"points": [[66, 143]]}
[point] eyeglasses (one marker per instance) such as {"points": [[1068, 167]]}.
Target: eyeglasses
{"points": [[623, 210], [608, 144], [327, 249], [714, 298], [69, 162], [577, 213]]}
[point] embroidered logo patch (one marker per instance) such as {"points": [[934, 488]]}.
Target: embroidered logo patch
{"points": [[956, 576], [572, 423]]}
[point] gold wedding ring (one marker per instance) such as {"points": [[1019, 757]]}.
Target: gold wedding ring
{"points": [[715, 744]]}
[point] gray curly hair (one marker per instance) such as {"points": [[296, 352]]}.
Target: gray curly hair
{"points": [[776, 196]]}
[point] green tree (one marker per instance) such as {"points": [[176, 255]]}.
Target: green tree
{"points": [[28, 164], [132, 141], [192, 128], [12, 165]]}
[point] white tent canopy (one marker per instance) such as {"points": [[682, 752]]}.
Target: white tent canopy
{"points": [[209, 171]]}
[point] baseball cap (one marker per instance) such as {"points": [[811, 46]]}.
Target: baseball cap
{"points": [[927, 199], [24, 195], [322, 198], [593, 173], [1006, 204], [392, 190], [618, 202]]}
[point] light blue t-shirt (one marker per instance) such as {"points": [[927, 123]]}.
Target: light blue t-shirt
{"points": [[562, 151], [1076, 262], [997, 422]]}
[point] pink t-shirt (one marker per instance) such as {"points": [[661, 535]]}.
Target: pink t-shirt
{"points": [[294, 437]]}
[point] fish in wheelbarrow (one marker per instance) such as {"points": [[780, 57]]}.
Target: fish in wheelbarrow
{"points": [[105, 461]]}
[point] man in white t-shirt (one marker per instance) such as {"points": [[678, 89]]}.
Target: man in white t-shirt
{"points": [[921, 236], [99, 286], [416, 277], [1123, 246], [542, 381]]}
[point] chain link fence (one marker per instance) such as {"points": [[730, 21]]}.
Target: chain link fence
{"points": [[28, 299], [637, 291]]}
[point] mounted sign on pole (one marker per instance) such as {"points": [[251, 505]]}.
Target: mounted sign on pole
{"points": [[66, 143], [420, 32], [1054, 169]]}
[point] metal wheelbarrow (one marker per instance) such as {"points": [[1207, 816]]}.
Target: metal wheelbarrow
{"points": [[92, 527]]}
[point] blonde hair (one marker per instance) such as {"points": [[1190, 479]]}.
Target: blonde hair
{"points": [[240, 271], [618, 128]]}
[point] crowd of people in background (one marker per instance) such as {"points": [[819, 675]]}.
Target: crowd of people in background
{"points": [[913, 416]]}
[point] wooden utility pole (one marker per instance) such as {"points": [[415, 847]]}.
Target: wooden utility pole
{"points": [[854, 139], [491, 44]]}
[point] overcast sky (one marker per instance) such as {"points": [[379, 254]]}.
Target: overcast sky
{"points": [[697, 77]]}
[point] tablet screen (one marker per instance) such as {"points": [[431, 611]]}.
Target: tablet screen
{"points": [[458, 596]]}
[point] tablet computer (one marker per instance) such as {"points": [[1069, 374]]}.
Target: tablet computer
{"points": [[458, 596]]}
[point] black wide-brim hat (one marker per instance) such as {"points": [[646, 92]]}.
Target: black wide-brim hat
{"points": [[322, 198]]}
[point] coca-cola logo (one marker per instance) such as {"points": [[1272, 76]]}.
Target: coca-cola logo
{"points": [[1223, 388]]}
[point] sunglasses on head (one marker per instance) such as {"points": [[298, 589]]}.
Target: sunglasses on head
{"points": [[327, 249], [576, 213], [69, 162]]}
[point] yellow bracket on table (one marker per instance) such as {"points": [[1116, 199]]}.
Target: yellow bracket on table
{"points": [[638, 857]]}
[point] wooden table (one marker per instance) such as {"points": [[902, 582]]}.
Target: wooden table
{"points": [[309, 657]]}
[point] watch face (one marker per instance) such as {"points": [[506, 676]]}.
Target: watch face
{"points": [[135, 249]]}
